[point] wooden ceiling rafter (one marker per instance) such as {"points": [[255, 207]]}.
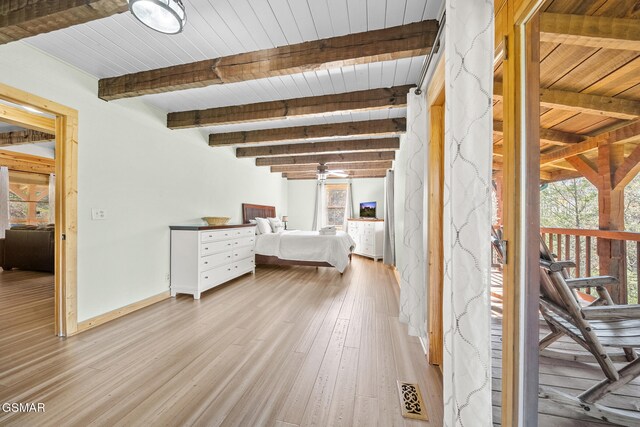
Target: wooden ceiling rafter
{"points": [[21, 19], [358, 173], [364, 100], [586, 168], [628, 169], [326, 158], [620, 108], [628, 131], [379, 144], [549, 136], [27, 136], [591, 31], [370, 128], [405, 41], [384, 164], [26, 162]]}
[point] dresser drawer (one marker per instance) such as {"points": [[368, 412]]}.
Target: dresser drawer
{"points": [[242, 253], [216, 247], [367, 249], [231, 233], [216, 275], [215, 260], [245, 241], [215, 236], [243, 265]]}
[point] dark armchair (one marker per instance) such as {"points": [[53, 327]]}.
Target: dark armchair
{"points": [[28, 250]]}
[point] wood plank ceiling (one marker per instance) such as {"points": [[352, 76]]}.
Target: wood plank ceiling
{"points": [[590, 85], [289, 79], [275, 78]]}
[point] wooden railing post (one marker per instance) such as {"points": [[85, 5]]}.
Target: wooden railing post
{"points": [[578, 257]]}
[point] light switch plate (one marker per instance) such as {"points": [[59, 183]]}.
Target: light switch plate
{"points": [[98, 214]]}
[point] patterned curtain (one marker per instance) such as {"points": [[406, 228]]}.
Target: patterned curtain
{"points": [[389, 247], [467, 212], [413, 269], [319, 210], [348, 211], [4, 200]]}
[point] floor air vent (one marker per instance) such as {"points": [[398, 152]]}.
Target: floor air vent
{"points": [[411, 401]]}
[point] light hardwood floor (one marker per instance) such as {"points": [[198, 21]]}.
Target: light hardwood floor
{"points": [[290, 346]]}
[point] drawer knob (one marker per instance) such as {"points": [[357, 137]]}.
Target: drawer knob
{"points": [[228, 256], [228, 244], [228, 269], [206, 249], [236, 266], [206, 262], [206, 277]]}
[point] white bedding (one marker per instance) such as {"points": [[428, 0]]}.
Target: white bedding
{"points": [[307, 246]]}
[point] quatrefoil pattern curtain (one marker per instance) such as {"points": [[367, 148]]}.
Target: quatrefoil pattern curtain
{"points": [[469, 36]]}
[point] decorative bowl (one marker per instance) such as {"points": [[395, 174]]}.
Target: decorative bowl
{"points": [[216, 220]]}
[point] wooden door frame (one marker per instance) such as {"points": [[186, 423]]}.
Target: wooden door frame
{"points": [[517, 35], [65, 127], [435, 178]]}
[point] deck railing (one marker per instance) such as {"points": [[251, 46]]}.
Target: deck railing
{"points": [[580, 246]]}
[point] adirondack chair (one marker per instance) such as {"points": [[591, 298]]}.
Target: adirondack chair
{"points": [[600, 328]]}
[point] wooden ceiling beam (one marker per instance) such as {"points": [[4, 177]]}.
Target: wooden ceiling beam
{"points": [[591, 31], [619, 108], [586, 168], [19, 117], [20, 137], [387, 44], [386, 127], [381, 144], [365, 100], [26, 162], [548, 136], [21, 19], [628, 169], [624, 133], [385, 164], [326, 158], [359, 173]]}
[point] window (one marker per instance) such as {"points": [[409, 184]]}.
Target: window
{"points": [[336, 195], [28, 198]]}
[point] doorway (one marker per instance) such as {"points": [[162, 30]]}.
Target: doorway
{"points": [[33, 113]]}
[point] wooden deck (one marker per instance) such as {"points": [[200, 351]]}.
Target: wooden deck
{"points": [[569, 377]]}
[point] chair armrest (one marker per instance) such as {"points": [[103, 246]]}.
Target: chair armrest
{"points": [[557, 265], [612, 312], [591, 282]]}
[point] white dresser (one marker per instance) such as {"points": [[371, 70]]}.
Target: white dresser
{"points": [[368, 235], [203, 257]]}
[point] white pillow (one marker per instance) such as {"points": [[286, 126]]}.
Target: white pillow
{"points": [[276, 224], [254, 222], [264, 226]]}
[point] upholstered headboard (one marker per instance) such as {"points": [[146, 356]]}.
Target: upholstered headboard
{"points": [[250, 211]]}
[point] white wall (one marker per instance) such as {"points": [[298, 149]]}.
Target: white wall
{"points": [[302, 195], [145, 176]]}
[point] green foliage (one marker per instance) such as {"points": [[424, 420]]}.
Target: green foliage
{"points": [[574, 204]]}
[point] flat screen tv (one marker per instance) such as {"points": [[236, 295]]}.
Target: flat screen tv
{"points": [[368, 210]]}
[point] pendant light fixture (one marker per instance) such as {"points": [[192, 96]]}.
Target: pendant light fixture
{"points": [[164, 16]]}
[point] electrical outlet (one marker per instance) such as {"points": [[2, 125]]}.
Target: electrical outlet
{"points": [[98, 214]]}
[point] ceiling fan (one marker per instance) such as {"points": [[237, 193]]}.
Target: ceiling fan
{"points": [[324, 172]]}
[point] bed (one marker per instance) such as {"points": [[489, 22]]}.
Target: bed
{"points": [[306, 248]]}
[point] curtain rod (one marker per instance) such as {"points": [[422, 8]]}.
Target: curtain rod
{"points": [[436, 47]]}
